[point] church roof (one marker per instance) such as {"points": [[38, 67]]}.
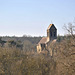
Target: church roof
{"points": [[50, 26], [43, 40]]}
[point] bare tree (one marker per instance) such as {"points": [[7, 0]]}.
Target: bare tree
{"points": [[70, 28]]}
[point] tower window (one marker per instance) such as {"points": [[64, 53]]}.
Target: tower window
{"points": [[54, 34], [51, 33]]}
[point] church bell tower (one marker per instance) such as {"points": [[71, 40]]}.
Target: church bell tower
{"points": [[51, 32]]}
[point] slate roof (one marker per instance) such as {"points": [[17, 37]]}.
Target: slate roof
{"points": [[50, 26], [43, 40]]}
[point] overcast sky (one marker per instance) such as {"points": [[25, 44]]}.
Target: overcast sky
{"points": [[32, 17]]}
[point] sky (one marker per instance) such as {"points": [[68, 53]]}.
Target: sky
{"points": [[32, 17]]}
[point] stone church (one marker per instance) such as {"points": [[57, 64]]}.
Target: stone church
{"points": [[51, 36]]}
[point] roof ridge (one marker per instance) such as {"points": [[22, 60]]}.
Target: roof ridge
{"points": [[49, 26]]}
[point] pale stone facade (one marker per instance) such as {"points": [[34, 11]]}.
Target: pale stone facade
{"points": [[44, 42]]}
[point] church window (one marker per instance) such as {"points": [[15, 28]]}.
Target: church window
{"points": [[41, 45], [54, 34], [51, 33]]}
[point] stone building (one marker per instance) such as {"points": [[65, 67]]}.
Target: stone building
{"points": [[44, 42]]}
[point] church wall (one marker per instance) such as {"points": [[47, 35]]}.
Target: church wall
{"points": [[51, 37], [39, 48]]}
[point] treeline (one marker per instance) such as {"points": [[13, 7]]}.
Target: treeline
{"points": [[26, 43]]}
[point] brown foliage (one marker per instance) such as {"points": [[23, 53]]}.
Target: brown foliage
{"points": [[17, 62], [64, 56]]}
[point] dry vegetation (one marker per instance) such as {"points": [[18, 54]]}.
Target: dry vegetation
{"points": [[18, 62], [64, 56]]}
